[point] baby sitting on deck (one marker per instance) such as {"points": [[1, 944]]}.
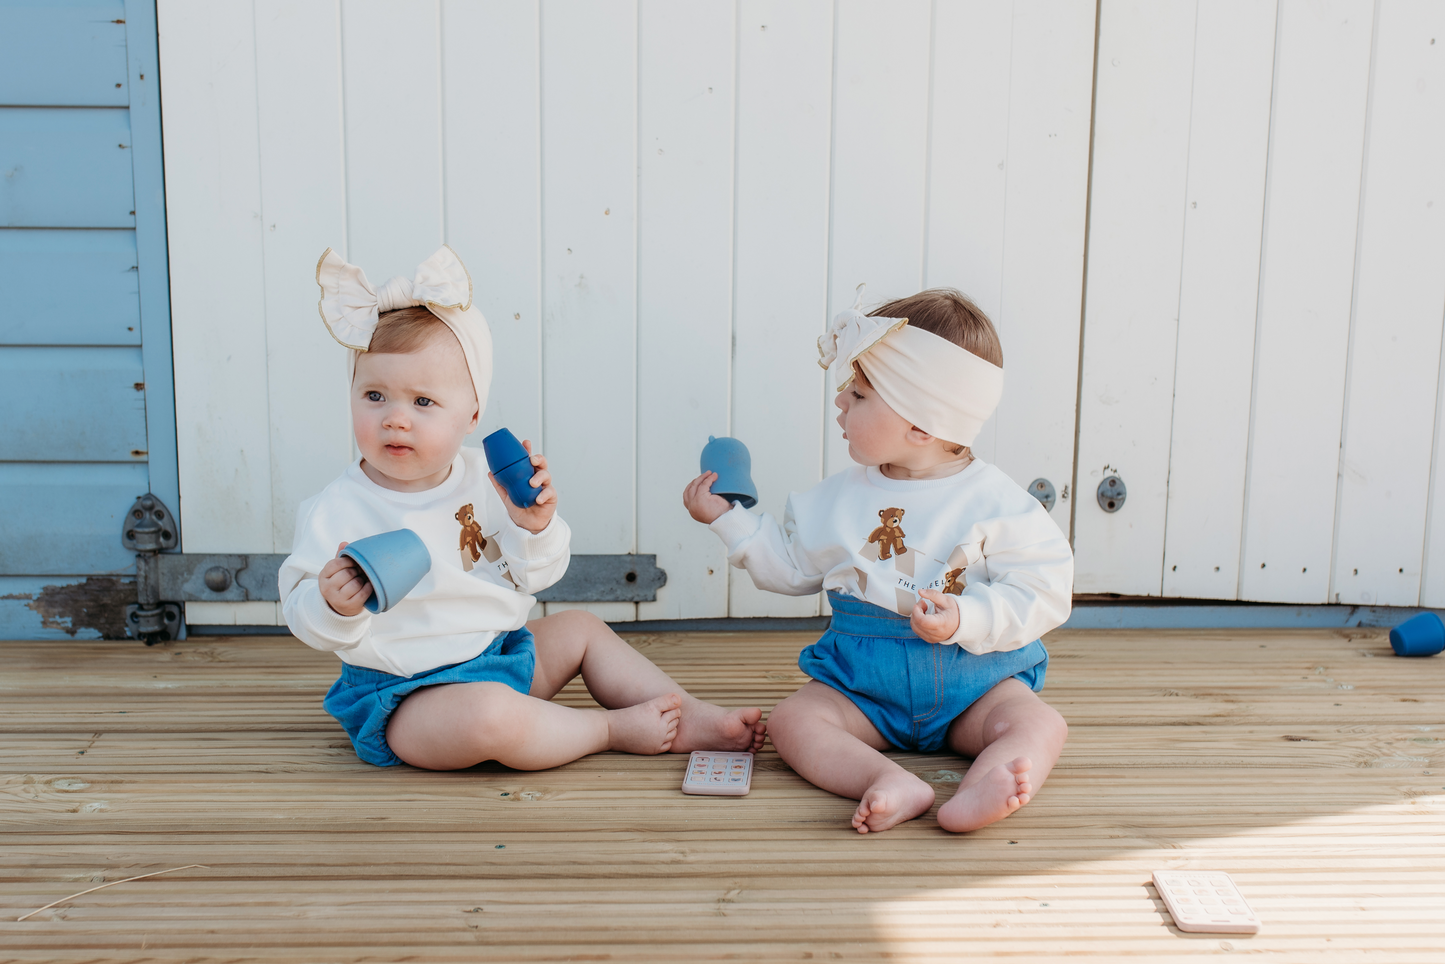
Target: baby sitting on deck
{"points": [[454, 674], [941, 572]]}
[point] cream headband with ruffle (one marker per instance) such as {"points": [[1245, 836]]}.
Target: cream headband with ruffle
{"points": [[947, 391], [351, 307]]}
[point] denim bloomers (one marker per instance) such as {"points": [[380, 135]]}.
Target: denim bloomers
{"points": [[362, 700], [911, 690]]}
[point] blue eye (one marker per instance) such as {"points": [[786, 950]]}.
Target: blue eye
{"points": [[374, 397], [424, 402]]}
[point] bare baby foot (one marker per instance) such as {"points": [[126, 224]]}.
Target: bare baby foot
{"points": [[645, 728], [706, 726], [1002, 790], [897, 797]]}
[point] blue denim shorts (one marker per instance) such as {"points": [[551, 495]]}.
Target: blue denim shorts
{"points": [[362, 700], [909, 689]]}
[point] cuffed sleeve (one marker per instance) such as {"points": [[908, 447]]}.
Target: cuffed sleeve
{"points": [[316, 624], [768, 551], [1025, 588], [536, 560]]}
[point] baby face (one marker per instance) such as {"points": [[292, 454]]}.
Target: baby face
{"points": [[410, 413], [876, 434]]}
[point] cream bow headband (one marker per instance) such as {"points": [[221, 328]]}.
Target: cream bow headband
{"points": [[947, 391], [351, 308]]}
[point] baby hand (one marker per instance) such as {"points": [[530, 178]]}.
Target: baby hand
{"points": [[539, 514], [701, 504], [939, 625], [343, 586]]}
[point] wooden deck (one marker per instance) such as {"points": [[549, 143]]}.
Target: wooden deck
{"points": [[1311, 766]]}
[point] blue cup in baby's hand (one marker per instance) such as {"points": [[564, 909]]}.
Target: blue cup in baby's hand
{"points": [[729, 458], [393, 562], [511, 466], [1422, 635]]}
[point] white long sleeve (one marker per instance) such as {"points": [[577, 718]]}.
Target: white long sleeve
{"points": [[471, 594], [976, 535]]}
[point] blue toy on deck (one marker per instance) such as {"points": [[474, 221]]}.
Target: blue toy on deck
{"points": [[1422, 635], [511, 465]]}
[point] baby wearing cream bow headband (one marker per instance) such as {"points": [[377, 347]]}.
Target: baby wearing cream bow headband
{"points": [[941, 572], [455, 674]]}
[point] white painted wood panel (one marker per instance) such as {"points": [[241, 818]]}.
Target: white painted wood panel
{"points": [[880, 162], [1432, 570], [218, 307], [493, 192], [589, 266], [1306, 281], [391, 68], [1136, 233], [1218, 296], [1389, 421], [1041, 292], [967, 154], [686, 67], [780, 297], [303, 212]]}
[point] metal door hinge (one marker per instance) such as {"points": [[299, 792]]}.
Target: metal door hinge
{"points": [[149, 528]]}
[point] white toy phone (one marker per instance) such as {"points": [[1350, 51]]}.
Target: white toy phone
{"points": [[717, 773], [1206, 903]]}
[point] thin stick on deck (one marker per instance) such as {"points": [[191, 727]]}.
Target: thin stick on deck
{"points": [[111, 884]]}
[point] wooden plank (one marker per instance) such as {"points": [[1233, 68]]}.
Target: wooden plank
{"points": [[303, 212], [589, 266], [213, 200], [968, 140], [1136, 233], [1218, 296], [65, 517], [393, 128], [64, 55], [1322, 64], [685, 118], [1399, 294], [1432, 568], [66, 168], [779, 403], [215, 752], [1050, 98], [879, 163], [75, 404], [490, 82], [97, 268]]}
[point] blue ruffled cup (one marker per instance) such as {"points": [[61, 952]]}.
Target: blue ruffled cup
{"points": [[729, 458], [393, 562]]}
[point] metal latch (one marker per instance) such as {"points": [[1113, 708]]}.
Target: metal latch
{"points": [[1043, 490], [1112, 493], [150, 528]]}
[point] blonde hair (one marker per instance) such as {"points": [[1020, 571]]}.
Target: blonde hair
{"points": [[407, 330]]}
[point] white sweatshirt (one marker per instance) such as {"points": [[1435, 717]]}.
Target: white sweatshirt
{"points": [[471, 594], [976, 534]]}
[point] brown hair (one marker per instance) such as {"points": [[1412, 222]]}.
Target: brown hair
{"points": [[949, 314], [407, 330]]}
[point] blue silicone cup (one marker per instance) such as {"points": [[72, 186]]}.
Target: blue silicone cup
{"points": [[511, 466], [729, 458], [393, 562], [1422, 635]]}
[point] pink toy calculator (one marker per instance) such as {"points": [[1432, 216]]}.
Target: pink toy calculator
{"points": [[718, 773]]}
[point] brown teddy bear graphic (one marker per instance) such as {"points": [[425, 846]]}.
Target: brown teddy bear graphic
{"points": [[953, 582], [889, 535], [472, 540]]}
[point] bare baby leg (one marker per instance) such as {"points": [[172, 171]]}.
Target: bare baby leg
{"points": [[825, 738], [1015, 739], [619, 676]]}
